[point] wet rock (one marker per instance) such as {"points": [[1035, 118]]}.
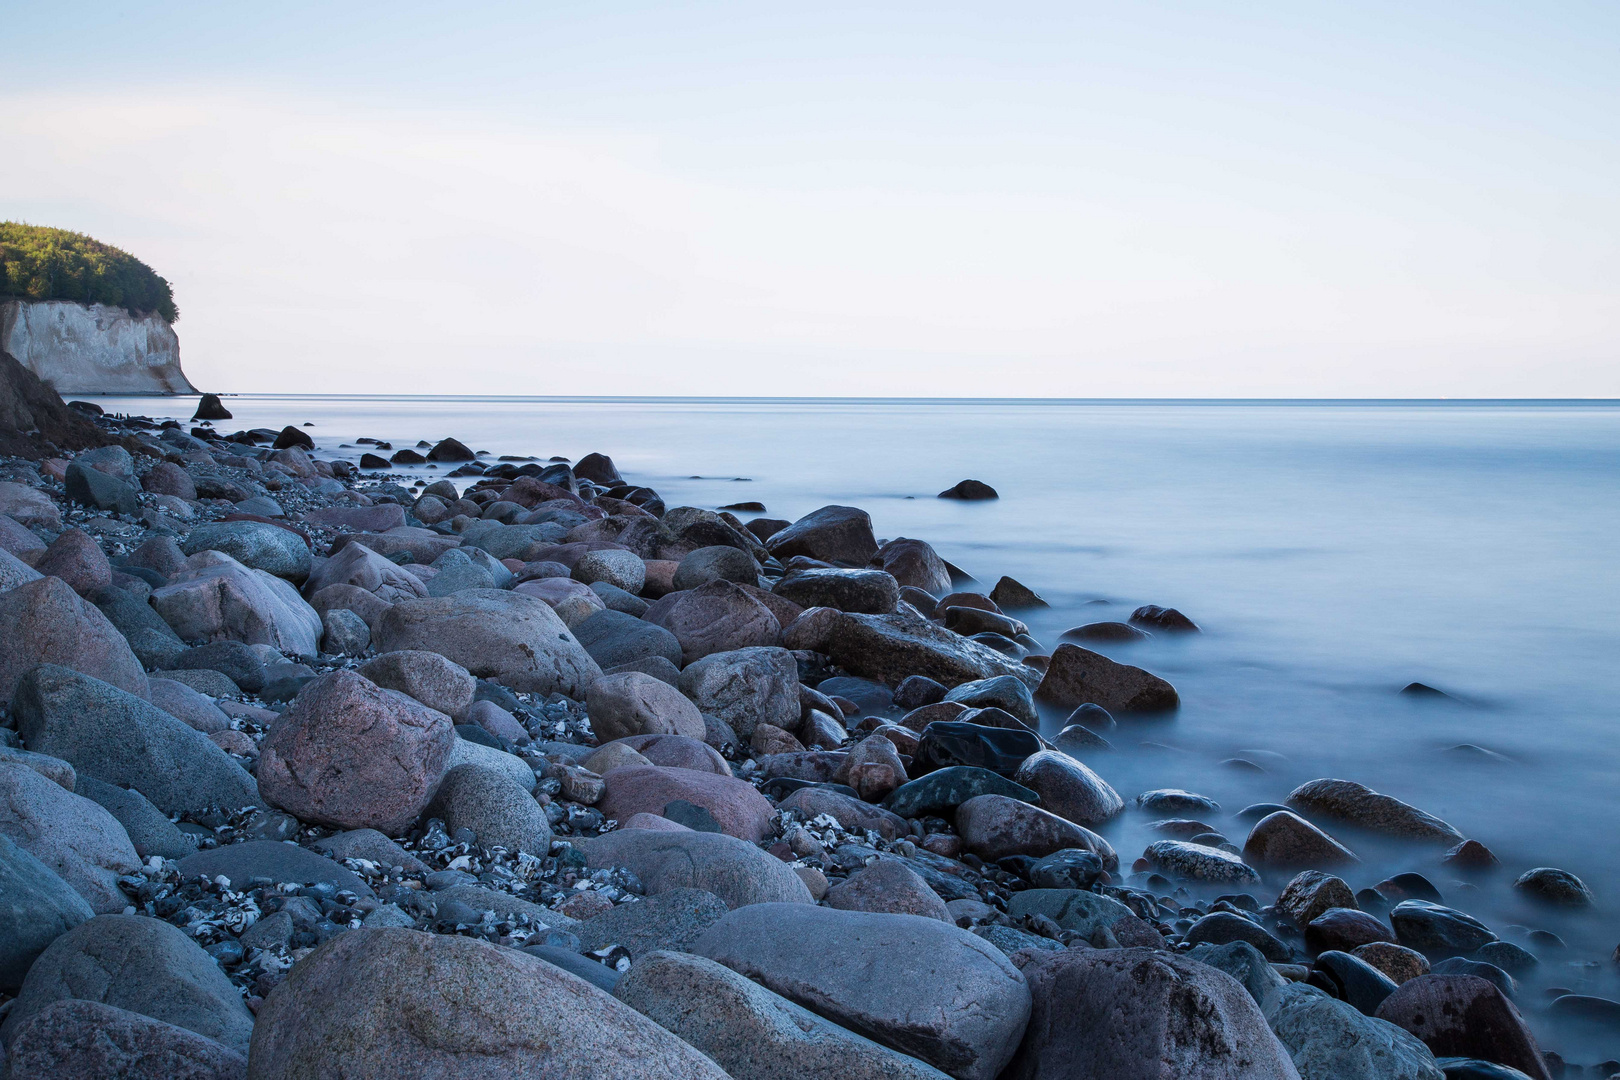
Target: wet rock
{"points": [[1176, 801], [1071, 868], [970, 490], [254, 544], [1077, 676], [916, 691], [141, 965], [888, 648], [75, 1040], [1140, 1014], [745, 687], [913, 563], [1464, 1016], [1397, 962], [1470, 855], [869, 592], [358, 999], [874, 768], [995, 826], [1223, 927], [833, 534], [1355, 804], [1438, 930], [239, 864], [1331, 1040], [888, 885], [1181, 859], [1069, 789], [722, 562], [622, 569], [614, 638], [1002, 692], [1344, 930], [738, 808], [1492, 974], [942, 791], [1554, 886], [1012, 595], [1163, 618], [36, 907], [514, 639], [1507, 956], [1244, 963], [971, 621], [353, 755], [120, 739], [967, 1024], [1086, 913], [721, 616], [1312, 892], [734, 870], [46, 622], [958, 743], [1351, 979], [851, 813], [217, 598], [1285, 841]]}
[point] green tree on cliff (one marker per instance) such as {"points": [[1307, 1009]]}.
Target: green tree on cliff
{"points": [[38, 263]]}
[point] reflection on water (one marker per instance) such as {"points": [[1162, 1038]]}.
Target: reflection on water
{"points": [[1332, 552]]}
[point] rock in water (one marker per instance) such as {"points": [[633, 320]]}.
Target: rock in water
{"points": [[833, 534], [1069, 789], [1140, 1014], [918, 985], [1465, 1016], [995, 826], [1182, 859], [1287, 841], [1330, 1040], [752, 1032], [211, 408], [1358, 805], [374, 1004], [969, 490], [1077, 676]]}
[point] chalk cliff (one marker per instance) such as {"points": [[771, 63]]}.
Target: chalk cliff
{"points": [[92, 348]]}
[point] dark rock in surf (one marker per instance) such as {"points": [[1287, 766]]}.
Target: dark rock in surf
{"points": [[969, 490]]}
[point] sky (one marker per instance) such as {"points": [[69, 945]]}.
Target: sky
{"points": [[1068, 199]]}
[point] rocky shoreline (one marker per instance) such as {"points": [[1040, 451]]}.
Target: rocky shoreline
{"points": [[315, 766]]}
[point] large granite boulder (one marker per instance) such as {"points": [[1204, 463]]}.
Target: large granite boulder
{"points": [[837, 534], [218, 599], [1141, 1014], [615, 637], [868, 592], [439, 683], [751, 1032], [1077, 676], [721, 616], [120, 739], [890, 648], [1356, 804], [516, 640], [634, 703], [889, 885], [350, 754], [387, 1003], [359, 566], [917, 985], [36, 908], [282, 863], [996, 826], [255, 544], [914, 563], [78, 560], [139, 964], [81, 842], [734, 870], [746, 687], [86, 1040], [495, 807], [1465, 1016], [46, 622], [736, 805]]}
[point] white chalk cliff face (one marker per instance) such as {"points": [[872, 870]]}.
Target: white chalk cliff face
{"points": [[93, 348]]}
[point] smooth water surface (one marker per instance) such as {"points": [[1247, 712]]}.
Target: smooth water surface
{"points": [[1332, 552]]}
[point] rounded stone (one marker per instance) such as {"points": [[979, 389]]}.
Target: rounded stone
{"points": [[498, 810], [622, 569], [1069, 789], [435, 681]]}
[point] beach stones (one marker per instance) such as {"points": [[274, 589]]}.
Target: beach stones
{"points": [[141, 965], [74, 1039], [1438, 930], [36, 907], [1176, 801], [621, 569], [120, 739], [745, 687], [77, 839], [941, 994], [969, 491], [239, 864], [1088, 914], [76, 559], [46, 622], [1141, 1014], [1077, 676], [353, 755], [217, 598], [851, 813], [1355, 804], [995, 826], [832, 534], [98, 490], [499, 811], [254, 544], [1312, 892], [750, 1031], [1396, 961], [1286, 841], [721, 562], [869, 592], [358, 565], [1352, 979], [735, 805], [1163, 618], [1195, 862], [1465, 1016], [734, 870], [1222, 927], [888, 648], [721, 616], [516, 640], [1553, 886], [615, 637], [1068, 788], [633, 703], [888, 885], [943, 790], [913, 563], [1344, 930], [1329, 1039], [358, 999], [957, 743], [673, 919], [429, 678]]}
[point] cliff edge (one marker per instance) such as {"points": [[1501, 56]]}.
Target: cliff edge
{"points": [[81, 348]]}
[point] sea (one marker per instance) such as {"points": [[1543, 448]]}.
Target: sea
{"points": [[1331, 551]]}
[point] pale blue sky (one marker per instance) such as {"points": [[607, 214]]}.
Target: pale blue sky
{"points": [[938, 200]]}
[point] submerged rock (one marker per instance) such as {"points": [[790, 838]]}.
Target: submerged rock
{"points": [[1355, 804], [1077, 676]]}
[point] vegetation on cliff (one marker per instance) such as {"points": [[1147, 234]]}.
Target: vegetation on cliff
{"points": [[39, 263]]}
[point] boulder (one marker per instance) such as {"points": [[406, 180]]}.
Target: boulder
{"points": [[869, 592], [254, 544], [751, 1032], [721, 562], [36, 908], [1396, 961], [84, 1040], [943, 790], [282, 863], [1438, 930], [995, 826], [889, 648], [1003, 692], [851, 813], [344, 632], [674, 919], [970, 491], [516, 640], [120, 739], [89, 486], [721, 616], [218, 599], [888, 885], [1465, 1016], [734, 870], [1310, 893], [82, 843], [914, 563], [874, 768], [78, 560], [433, 680], [1076, 676], [633, 703], [1287, 841], [1181, 859], [1141, 1014], [498, 810], [378, 518], [744, 687], [737, 806], [153, 641], [242, 665], [185, 704], [350, 754], [1088, 914], [676, 751], [14, 572], [380, 1003], [918, 985], [831, 534], [1069, 789], [1553, 886], [1224, 927], [1355, 804], [28, 506], [149, 828], [1351, 979], [359, 566], [954, 743], [1344, 930], [623, 569], [139, 964], [46, 622], [615, 638], [1330, 1040]]}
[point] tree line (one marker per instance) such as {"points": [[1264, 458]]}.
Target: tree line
{"points": [[39, 263]]}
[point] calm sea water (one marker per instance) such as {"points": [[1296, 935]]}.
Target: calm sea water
{"points": [[1332, 552]]}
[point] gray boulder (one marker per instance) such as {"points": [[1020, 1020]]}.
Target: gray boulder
{"points": [[721, 562], [281, 863], [917, 985], [14, 572], [633, 703], [1195, 862], [359, 566], [344, 632], [90, 487], [500, 812], [514, 639], [36, 908], [721, 616], [142, 965], [1077, 676], [1088, 914], [736, 871], [120, 739], [1356, 804], [431, 679], [674, 919], [614, 638], [832, 534], [149, 828], [46, 622], [219, 599], [751, 1032], [81, 843], [183, 703], [868, 592], [373, 1000], [889, 648], [86, 1040], [745, 687], [255, 544], [1329, 1040]]}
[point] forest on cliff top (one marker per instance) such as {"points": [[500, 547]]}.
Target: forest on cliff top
{"points": [[40, 263]]}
